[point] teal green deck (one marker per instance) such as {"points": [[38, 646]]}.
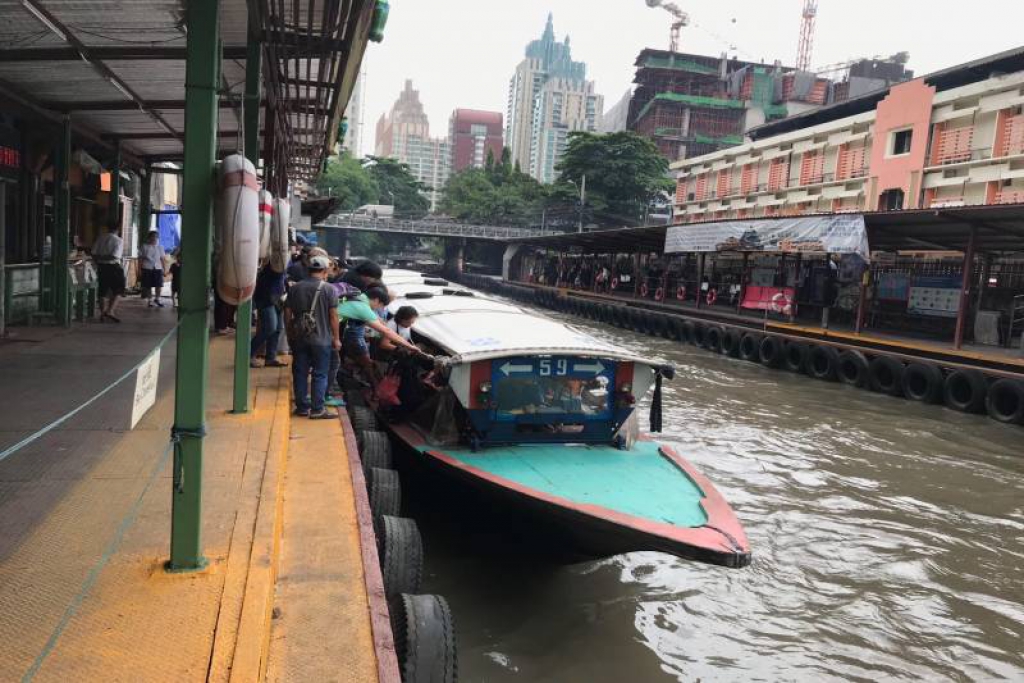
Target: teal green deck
{"points": [[641, 482]]}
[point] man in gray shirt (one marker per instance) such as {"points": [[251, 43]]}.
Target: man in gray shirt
{"points": [[311, 319]]}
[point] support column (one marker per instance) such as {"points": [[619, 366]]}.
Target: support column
{"points": [[62, 227], [700, 279], [3, 259], [146, 204], [251, 127], [744, 276], [202, 72], [114, 217], [965, 291], [346, 246], [862, 300]]}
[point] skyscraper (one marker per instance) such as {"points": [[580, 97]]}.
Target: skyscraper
{"points": [[404, 134], [472, 135], [353, 141], [548, 97]]}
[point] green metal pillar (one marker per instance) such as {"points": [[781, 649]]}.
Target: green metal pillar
{"points": [[62, 227], [251, 125], [145, 205], [202, 73]]}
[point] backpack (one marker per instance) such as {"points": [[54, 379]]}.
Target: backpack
{"points": [[346, 292], [305, 325]]}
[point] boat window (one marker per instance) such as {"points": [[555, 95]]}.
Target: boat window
{"points": [[534, 395]]}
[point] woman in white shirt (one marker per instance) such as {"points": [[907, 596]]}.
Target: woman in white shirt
{"points": [[151, 260]]}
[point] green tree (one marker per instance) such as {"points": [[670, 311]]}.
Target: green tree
{"points": [[625, 174], [497, 195], [347, 179], [397, 186]]}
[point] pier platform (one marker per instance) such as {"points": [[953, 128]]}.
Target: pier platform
{"points": [[85, 525]]}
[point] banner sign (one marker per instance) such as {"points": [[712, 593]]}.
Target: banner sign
{"points": [[834, 234], [145, 387], [775, 299]]}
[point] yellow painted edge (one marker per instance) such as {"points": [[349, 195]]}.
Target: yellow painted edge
{"points": [[252, 645]]}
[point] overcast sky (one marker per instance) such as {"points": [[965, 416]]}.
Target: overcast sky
{"points": [[461, 53]]}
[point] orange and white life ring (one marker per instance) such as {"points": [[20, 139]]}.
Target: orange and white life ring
{"points": [[279, 235], [681, 293], [644, 291], [615, 283], [238, 230], [659, 294], [266, 222], [781, 303], [711, 297]]}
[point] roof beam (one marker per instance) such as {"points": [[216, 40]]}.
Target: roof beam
{"points": [[106, 53], [127, 105], [303, 44], [165, 136]]}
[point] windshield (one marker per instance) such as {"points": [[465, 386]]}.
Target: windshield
{"points": [[553, 386]]}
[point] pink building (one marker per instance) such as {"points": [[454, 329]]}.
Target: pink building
{"points": [[472, 134]]}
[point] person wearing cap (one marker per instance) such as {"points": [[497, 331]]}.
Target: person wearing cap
{"points": [[311, 319], [363, 276]]}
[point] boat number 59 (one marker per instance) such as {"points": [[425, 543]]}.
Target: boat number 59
{"points": [[561, 368]]}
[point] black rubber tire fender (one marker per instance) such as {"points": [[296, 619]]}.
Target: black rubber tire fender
{"points": [[385, 491], [401, 555], [731, 342], [770, 351], [713, 339], [375, 450], [659, 325], [363, 419], [1005, 401], [688, 330], [923, 382], [885, 375], [965, 391], [425, 644], [823, 363], [676, 332], [699, 336], [853, 368], [749, 347], [638, 320], [794, 356]]}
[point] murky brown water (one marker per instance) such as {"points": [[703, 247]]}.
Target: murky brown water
{"points": [[888, 543]]}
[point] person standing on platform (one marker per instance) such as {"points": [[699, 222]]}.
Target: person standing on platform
{"points": [[151, 261], [106, 252], [311, 319], [267, 299]]}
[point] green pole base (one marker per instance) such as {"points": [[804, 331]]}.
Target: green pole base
{"points": [[171, 568]]}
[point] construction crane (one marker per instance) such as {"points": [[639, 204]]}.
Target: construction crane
{"points": [[681, 19], [806, 45]]}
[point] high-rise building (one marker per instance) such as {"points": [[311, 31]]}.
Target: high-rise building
{"points": [[404, 134], [548, 97], [353, 141], [472, 135]]}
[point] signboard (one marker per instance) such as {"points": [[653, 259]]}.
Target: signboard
{"points": [[557, 385], [775, 299], [836, 234], [145, 387]]}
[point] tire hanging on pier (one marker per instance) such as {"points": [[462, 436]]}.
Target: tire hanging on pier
{"points": [[1005, 401], [853, 368], [885, 375], [822, 362], [279, 235], [424, 639], [965, 391], [923, 382], [794, 356], [750, 346], [401, 555], [238, 224], [731, 342]]}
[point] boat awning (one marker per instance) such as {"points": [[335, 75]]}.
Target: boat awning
{"points": [[118, 71], [999, 229]]}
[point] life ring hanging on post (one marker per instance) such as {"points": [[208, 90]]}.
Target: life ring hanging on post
{"points": [[644, 291], [681, 293], [659, 294], [781, 303], [711, 297], [615, 283]]}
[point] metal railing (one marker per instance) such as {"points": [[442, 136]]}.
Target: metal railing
{"points": [[427, 227]]}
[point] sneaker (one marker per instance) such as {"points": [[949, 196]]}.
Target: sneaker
{"points": [[276, 364], [334, 402], [323, 415], [160, 304], [301, 412], [255, 363]]}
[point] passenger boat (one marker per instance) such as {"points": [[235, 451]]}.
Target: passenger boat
{"points": [[540, 419]]}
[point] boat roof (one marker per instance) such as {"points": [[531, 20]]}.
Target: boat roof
{"points": [[480, 327]]}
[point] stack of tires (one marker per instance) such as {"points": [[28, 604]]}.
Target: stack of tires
{"points": [[422, 625]]}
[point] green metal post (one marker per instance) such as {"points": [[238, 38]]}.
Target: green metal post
{"points": [[202, 72], [145, 206], [251, 124], [62, 227]]}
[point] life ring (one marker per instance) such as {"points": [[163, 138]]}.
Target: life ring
{"points": [[266, 223], [681, 293], [659, 294], [712, 297], [238, 233], [781, 303], [644, 290], [615, 283]]}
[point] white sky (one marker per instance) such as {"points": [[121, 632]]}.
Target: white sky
{"points": [[461, 53]]}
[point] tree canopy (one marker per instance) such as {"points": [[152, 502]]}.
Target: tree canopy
{"points": [[625, 174], [497, 194]]}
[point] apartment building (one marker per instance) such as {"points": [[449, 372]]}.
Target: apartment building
{"points": [[953, 138]]}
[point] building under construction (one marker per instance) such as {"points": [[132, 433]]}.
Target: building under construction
{"points": [[691, 105]]}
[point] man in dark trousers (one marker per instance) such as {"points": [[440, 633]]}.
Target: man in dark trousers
{"points": [[311, 319]]}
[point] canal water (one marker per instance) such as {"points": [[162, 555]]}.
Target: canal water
{"points": [[888, 542]]}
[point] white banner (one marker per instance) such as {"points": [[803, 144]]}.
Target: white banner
{"points": [[145, 387], [835, 234]]}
